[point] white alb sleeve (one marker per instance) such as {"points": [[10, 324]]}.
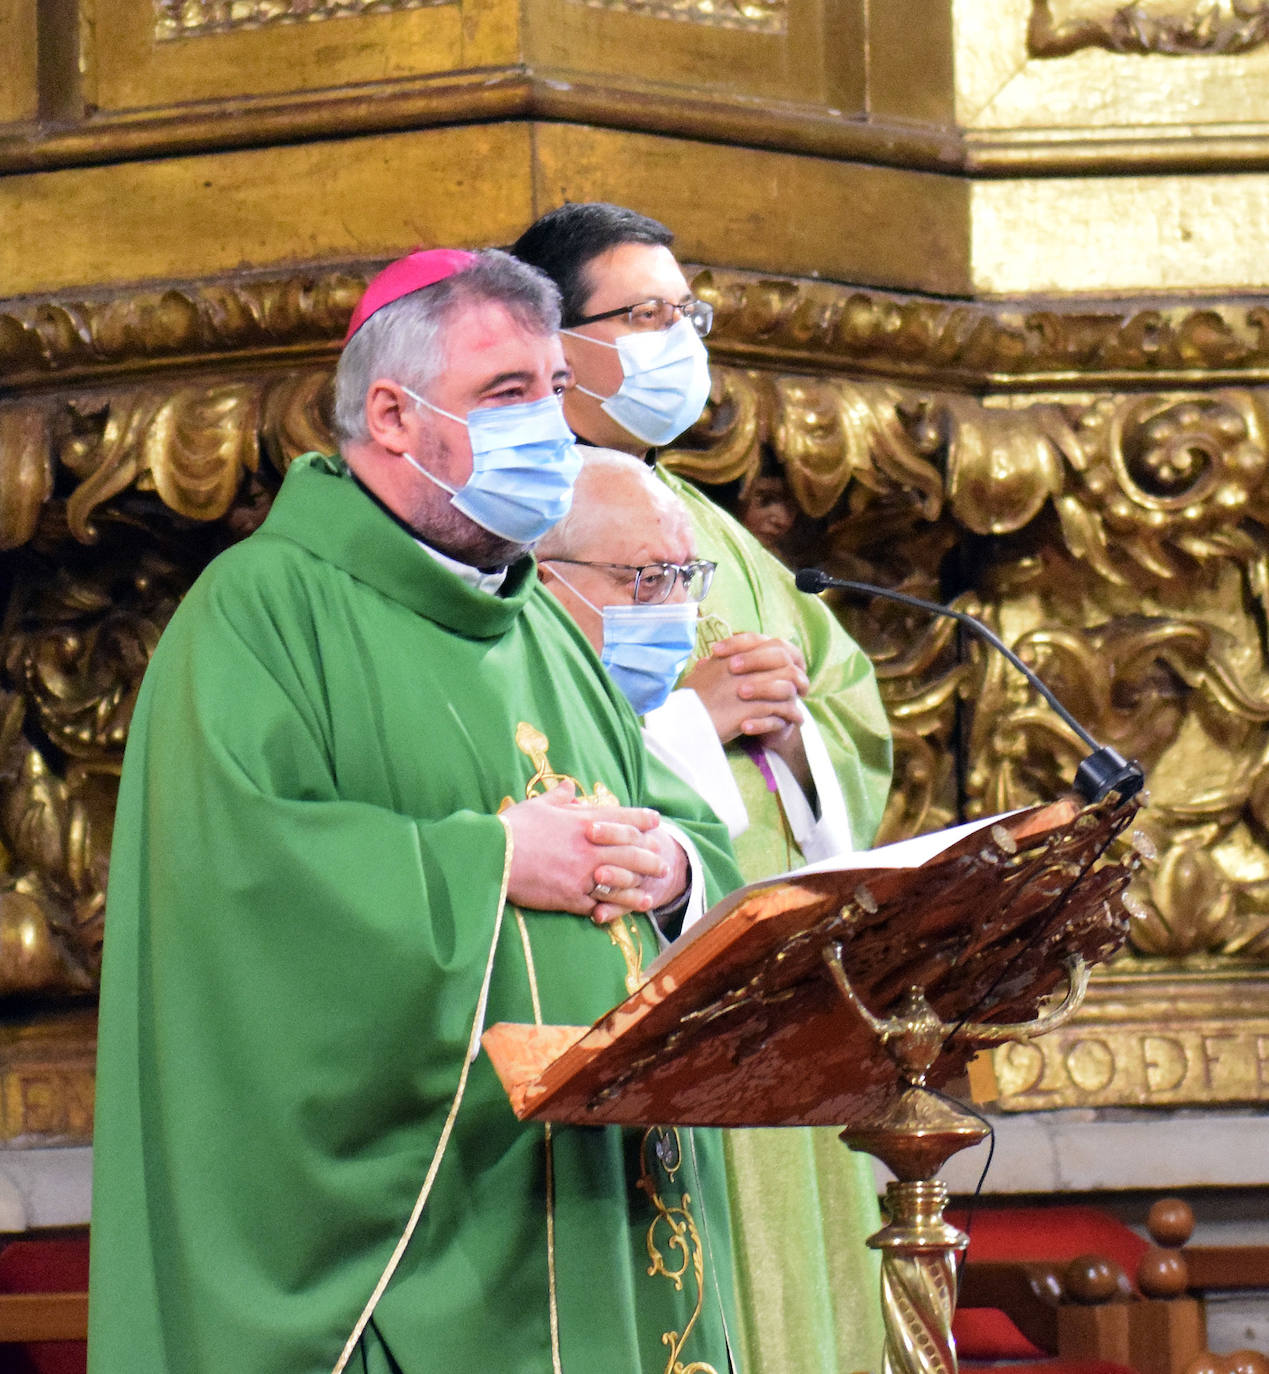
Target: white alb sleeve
{"points": [[695, 881], [683, 737], [829, 833]]}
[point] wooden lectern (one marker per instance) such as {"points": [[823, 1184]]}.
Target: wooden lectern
{"points": [[841, 994]]}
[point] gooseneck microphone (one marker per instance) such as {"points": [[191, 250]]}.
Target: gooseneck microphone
{"points": [[1105, 770]]}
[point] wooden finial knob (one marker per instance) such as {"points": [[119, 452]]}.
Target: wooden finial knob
{"points": [[1207, 1363], [1170, 1222], [1091, 1279], [1163, 1274], [1247, 1362]]}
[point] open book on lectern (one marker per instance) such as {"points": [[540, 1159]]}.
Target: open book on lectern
{"points": [[909, 853], [741, 1022]]}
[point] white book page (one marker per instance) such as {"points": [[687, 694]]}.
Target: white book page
{"points": [[911, 853]]}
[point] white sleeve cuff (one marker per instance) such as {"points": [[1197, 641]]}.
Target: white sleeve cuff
{"points": [[695, 881], [683, 737], [823, 836]]}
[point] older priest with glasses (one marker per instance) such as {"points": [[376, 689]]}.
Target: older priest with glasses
{"points": [[644, 617], [377, 794]]}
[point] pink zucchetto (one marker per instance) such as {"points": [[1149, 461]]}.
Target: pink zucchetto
{"points": [[412, 273]]}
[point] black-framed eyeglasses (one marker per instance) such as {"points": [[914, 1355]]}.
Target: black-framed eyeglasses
{"points": [[655, 582], [658, 314]]}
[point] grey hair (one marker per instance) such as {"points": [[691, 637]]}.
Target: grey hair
{"points": [[406, 339], [566, 538]]}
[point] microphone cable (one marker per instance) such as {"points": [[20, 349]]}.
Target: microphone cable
{"points": [[1105, 770]]}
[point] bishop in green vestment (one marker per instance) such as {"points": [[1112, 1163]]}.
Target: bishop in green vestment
{"points": [[298, 1150]]}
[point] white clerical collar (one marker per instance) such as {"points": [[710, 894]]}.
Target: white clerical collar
{"points": [[487, 582]]}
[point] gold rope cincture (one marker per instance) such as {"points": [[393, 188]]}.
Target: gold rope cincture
{"points": [[473, 1048], [553, 1302]]}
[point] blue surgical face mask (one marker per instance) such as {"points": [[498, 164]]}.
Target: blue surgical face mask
{"points": [[524, 465], [645, 648], [664, 381]]}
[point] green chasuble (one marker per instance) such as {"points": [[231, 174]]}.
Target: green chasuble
{"points": [[802, 1203], [305, 896]]}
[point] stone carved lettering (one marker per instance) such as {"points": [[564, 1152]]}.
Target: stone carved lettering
{"points": [[1090, 1065], [1163, 1062], [1134, 1066], [49, 1103]]}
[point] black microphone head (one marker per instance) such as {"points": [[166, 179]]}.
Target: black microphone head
{"points": [[1105, 771], [812, 580]]}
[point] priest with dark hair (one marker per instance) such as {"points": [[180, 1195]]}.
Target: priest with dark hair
{"points": [[634, 339]]}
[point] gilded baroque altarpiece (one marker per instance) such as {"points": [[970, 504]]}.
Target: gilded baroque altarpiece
{"points": [[1047, 397], [1116, 536]]}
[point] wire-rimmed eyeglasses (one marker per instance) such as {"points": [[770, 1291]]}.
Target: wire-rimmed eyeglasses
{"points": [[655, 582], [656, 314]]}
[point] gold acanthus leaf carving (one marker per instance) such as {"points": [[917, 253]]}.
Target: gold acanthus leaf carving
{"points": [[295, 417], [199, 445], [1189, 904], [79, 633], [54, 848], [1001, 467], [1154, 481], [837, 325], [787, 322], [79, 642], [830, 432], [191, 445], [756, 16], [1212, 27], [264, 314], [194, 18], [1163, 479], [1189, 697], [825, 433], [26, 470], [1146, 482]]}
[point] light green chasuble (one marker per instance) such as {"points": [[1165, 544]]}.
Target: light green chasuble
{"points": [[803, 1204], [305, 897]]}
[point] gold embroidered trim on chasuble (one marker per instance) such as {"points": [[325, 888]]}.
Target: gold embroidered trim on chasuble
{"points": [[677, 1227], [681, 1235], [548, 1153], [623, 932]]}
